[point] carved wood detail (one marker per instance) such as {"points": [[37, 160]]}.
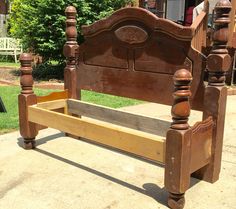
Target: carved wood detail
{"points": [[26, 98], [219, 61], [178, 140], [181, 108], [69, 50], [131, 34], [26, 79]]}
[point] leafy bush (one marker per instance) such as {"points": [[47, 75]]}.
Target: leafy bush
{"points": [[47, 71], [41, 23]]}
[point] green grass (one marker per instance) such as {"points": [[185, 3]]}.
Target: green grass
{"points": [[108, 100], [9, 95], [9, 121], [9, 64]]}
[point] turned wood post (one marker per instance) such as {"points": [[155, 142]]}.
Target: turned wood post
{"points": [[27, 97], [177, 161], [218, 63], [70, 50]]}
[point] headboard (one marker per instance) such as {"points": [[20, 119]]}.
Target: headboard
{"points": [[135, 54]]}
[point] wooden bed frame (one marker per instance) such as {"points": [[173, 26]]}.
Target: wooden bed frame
{"points": [[134, 54]]}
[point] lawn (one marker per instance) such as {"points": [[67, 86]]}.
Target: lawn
{"points": [[9, 120]]}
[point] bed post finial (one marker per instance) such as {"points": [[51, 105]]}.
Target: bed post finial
{"points": [[27, 97], [70, 50], [26, 79], [71, 32], [177, 160], [181, 108], [218, 62]]}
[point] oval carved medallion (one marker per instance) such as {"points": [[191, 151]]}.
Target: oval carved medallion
{"points": [[131, 34]]}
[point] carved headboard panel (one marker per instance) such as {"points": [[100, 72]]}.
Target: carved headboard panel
{"points": [[134, 54]]}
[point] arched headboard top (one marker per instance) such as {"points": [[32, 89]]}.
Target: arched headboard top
{"points": [[143, 16]]}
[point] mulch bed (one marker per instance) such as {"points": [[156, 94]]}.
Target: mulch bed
{"points": [[9, 77]]}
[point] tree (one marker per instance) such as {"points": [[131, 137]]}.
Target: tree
{"points": [[40, 24]]}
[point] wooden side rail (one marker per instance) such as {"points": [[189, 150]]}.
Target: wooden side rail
{"points": [[140, 143], [119, 117], [121, 134]]}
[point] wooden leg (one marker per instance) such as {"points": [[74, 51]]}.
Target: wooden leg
{"points": [[215, 105], [218, 63], [29, 143], [177, 166], [28, 130], [178, 142], [176, 201]]}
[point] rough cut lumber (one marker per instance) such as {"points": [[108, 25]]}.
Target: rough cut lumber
{"points": [[119, 117], [139, 143]]}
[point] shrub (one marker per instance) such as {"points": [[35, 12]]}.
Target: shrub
{"points": [[41, 23], [47, 71]]}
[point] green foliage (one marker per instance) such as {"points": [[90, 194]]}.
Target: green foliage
{"points": [[41, 23], [47, 71]]}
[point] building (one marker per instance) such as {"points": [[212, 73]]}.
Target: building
{"points": [[180, 11]]}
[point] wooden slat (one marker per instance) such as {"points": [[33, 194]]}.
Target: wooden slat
{"points": [[198, 21], [53, 96], [232, 24], [52, 105], [119, 117], [198, 40], [139, 143]]}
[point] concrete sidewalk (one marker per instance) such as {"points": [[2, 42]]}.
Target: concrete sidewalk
{"points": [[64, 173]]}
